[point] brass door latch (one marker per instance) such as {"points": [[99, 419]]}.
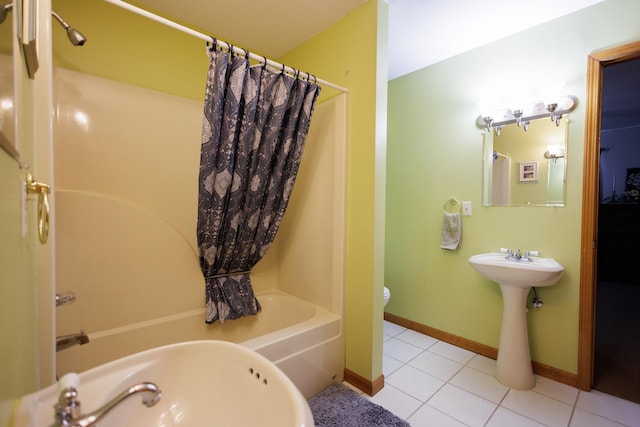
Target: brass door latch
{"points": [[43, 191]]}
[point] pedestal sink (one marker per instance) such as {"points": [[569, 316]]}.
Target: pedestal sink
{"points": [[515, 278]]}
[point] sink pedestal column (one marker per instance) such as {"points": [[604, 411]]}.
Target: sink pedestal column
{"points": [[513, 368]]}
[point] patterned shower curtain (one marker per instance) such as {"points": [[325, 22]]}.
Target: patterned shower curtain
{"points": [[254, 129]]}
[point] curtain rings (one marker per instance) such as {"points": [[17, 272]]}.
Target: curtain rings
{"points": [[246, 59], [214, 44]]}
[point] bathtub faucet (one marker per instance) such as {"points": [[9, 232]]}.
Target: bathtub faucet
{"points": [[67, 410], [65, 341]]}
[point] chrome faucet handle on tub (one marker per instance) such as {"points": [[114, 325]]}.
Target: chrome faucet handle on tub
{"points": [[67, 410]]}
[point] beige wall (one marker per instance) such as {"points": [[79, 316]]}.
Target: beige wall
{"points": [[17, 258]]}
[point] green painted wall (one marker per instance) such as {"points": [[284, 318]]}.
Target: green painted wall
{"points": [[346, 54], [434, 153], [126, 47]]}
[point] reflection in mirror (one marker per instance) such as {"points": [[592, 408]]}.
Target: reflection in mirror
{"points": [[525, 168], [7, 137]]}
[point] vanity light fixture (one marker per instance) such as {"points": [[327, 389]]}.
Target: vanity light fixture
{"points": [[518, 115], [488, 121], [554, 152], [524, 115], [551, 108]]}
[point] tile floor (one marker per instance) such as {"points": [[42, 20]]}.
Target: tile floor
{"points": [[432, 383]]}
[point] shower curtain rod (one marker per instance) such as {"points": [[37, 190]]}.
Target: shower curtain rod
{"points": [[499, 154], [228, 46]]}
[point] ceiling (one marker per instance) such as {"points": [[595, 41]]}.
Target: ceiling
{"points": [[421, 32], [265, 27]]}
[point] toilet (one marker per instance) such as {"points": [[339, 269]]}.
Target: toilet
{"points": [[387, 295]]}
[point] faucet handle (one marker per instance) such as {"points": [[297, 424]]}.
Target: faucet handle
{"points": [[65, 297], [70, 380], [67, 410], [68, 406]]}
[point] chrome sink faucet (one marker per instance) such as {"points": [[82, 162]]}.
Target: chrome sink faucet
{"points": [[67, 410], [513, 255], [518, 256]]}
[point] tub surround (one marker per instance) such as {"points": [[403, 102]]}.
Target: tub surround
{"points": [[126, 247]]}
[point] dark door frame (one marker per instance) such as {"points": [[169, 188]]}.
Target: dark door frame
{"points": [[586, 326]]}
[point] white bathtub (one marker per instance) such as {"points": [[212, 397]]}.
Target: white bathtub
{"points": [[306, 341]]}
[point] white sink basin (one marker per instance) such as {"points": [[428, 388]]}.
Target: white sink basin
{"points": [[524, 274], [515, 278], [203, 383]]}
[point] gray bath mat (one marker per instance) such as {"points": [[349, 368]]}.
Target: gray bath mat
{"points": [[339, 406]]}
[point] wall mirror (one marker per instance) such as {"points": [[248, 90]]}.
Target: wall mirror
{"points": [[525, 168], [525, 154]]}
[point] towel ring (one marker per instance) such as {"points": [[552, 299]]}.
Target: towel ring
{"points": [[452, 206]]}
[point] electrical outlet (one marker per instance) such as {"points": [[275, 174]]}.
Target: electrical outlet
{"points": [[466, 208]]}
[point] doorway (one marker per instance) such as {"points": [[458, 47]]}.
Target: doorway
{"points": [[596, 250], [617, 320]]}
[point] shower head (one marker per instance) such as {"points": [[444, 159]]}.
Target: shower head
{"points": [[4, 10], [75, 37]]}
